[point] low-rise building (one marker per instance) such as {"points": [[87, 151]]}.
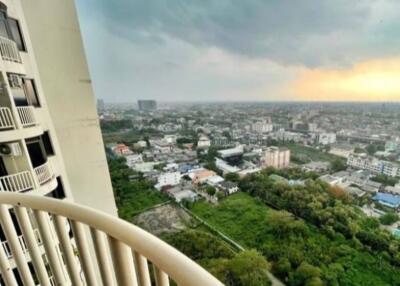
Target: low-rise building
{"points": [[228, 187], [262, 126], [376, 166], [389, 200], [121, 150], [168, 179], [326, 138], [204, 142], [132, 159]]}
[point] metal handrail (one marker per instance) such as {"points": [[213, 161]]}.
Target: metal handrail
{"points": [[167, 261]]}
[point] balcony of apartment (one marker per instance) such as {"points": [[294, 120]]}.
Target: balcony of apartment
{"points": [[123, 254], [19, 108], [27, 165], [10, 55]]}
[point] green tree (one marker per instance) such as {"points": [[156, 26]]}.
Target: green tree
{"points": [[233, 177], [338, 165], [389, 218], [248, 268], [211, 190]]}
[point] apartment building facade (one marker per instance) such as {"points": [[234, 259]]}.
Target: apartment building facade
{"points": [[52, 157], [375, 165], [276, 157]]}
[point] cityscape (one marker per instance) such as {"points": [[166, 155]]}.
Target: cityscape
{"points": [[199, 143], [213, 163]]}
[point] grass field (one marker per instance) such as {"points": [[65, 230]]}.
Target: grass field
{"points": [[245, 220], [312, 154]]}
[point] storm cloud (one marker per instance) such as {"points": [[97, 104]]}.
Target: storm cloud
{"points": [[184, 45]]}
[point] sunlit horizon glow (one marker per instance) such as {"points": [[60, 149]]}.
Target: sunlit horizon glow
{"points": [[375, 80]]}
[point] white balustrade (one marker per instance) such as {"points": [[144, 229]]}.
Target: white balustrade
{"points": [[6, 118], [44, 173], [18, 182], [27, 115], [124, 252], [9, 50]]}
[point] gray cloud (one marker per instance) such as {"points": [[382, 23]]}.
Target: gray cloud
{"points": [[305, 32], [227, 49]]}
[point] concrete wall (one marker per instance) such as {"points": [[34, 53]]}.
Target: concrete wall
{"points": [[58, 49]]}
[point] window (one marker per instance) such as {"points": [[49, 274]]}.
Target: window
{"points": [[31, 92], [58, 193], [3, 25], [48, 147], [16, 34]]}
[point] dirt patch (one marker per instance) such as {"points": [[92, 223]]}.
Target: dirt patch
{"points": [[166, 218]]}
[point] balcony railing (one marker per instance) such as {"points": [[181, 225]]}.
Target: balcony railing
{"points": [[6, 118], [123, 252], [19, 182], [9, 50], [6, 245], [27, 115], [44, 173]]}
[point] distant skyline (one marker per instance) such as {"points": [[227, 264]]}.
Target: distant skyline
{"points": [[226, 50]]}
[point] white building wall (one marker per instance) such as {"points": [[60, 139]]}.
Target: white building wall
{"points": [[57, 44]]}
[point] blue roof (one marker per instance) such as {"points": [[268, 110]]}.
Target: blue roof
{"points": [[388, 199]]}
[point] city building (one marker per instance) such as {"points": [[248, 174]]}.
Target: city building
{"points": [[100, 105], [168, 179], [57, 210], [276, 157], [147, 105], [133, 159], [326, 138], [393, 146], [121, 150], [204, 142], [262, 126], [375, 165]]}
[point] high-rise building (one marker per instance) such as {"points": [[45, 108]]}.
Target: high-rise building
{"points": [[276, 157], [147, 105], [100, 105], [51, 147]]}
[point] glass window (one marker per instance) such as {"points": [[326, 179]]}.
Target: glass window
{"points": [[3, 25], [30, 92], [47, 144], [16, 33]]}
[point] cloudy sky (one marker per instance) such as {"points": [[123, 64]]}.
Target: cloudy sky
{"points": [[261, 50]]}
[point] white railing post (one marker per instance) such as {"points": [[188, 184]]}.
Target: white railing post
{"points": [[9, 50], [18, 182], [27, 115], [124, 238], [6, 118], [44, 173]]}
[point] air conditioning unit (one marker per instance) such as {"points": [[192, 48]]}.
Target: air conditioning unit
{"points": [[14, 80], [10, 149]]}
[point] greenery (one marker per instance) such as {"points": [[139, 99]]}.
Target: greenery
{"points": [[389, 218], [386, 180], [247, 268], [211, 190], [300, 252], [338, 165], [132, 197], [306, 154], [233, 177], [116, 125]]}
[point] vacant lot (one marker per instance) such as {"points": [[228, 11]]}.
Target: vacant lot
{"points": [[163, 219]]}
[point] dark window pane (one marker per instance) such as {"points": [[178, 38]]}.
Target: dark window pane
{"points": [[48, 147], [16, 34], [58, 193]]}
